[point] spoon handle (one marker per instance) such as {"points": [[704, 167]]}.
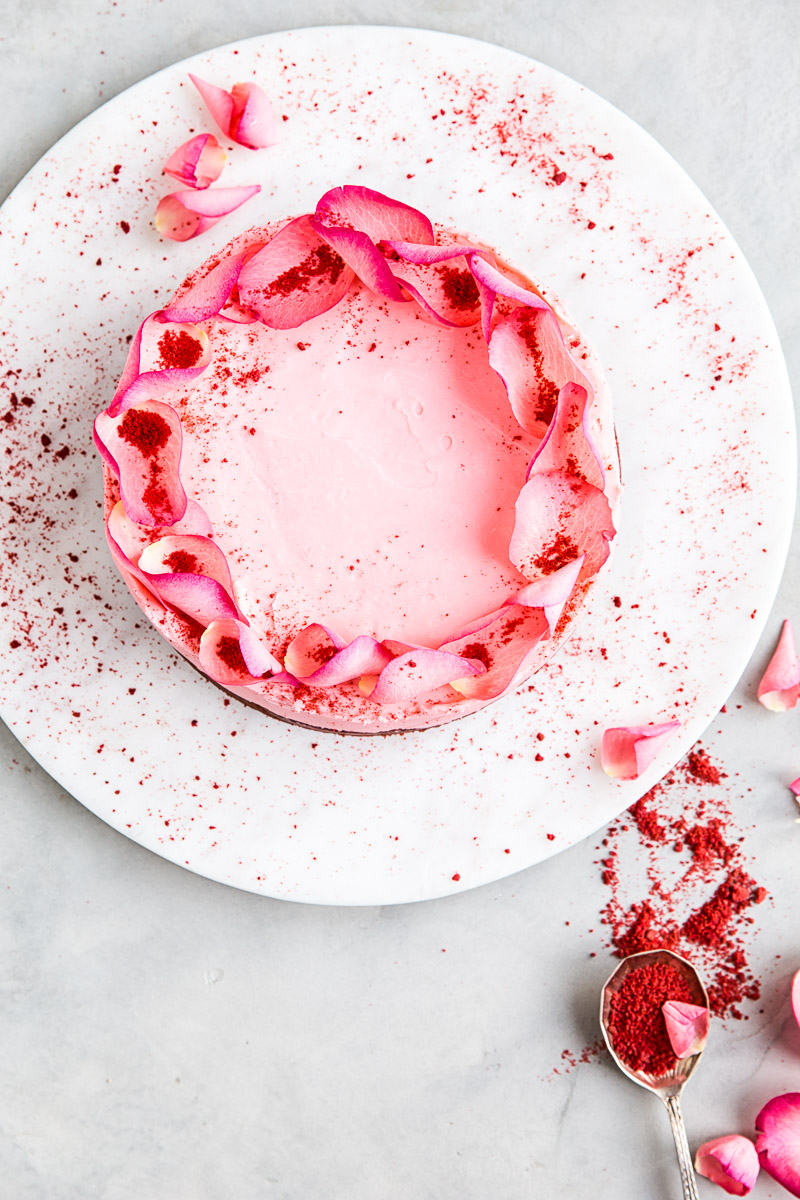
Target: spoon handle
{"points": [[688, 1179]]}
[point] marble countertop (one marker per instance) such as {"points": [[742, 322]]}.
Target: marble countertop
{"points": [[166, 1036]]}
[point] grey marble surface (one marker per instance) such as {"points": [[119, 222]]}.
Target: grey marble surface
{"points": [[163, 1036]]}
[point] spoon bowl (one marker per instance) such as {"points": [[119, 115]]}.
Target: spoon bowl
{"points": [[668, 1085]]}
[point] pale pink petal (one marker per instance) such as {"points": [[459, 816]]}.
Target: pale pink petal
{"points": [[731, 1162], [187, 554], [494, 280], [135, 388], [558, 519], [627, 751], [207, 297], [231, 654], [446, 290], [551, 592], [312, 647], [254, 122], [527, 351], [501, 646], [420, 671], [796, 994], [795, 786], [778, 1141], [376, 215], [566, 445], [244, 114], [687, 1027], [295, 277], [364, 656], [197, 163], [779, 689], [362, 256], [424, 255], [184, 215], [143, 449], [131, 539]]}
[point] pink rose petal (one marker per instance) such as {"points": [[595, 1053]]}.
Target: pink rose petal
{"points": [[353, 219], [244, 114], [376, 215], [207, 297], [779, 689], [135, 387], [493, 279], [627, 751], [794, 786], [197, 163], [528, 352], [186, 554], [551, 592], [418, 672], [184, 215], [731, 1162], [231, 654], [501, 645], [318, 657], [446, 290], [559, 518], [142, 447], [796, 997], [687, 1027], [778, 1141], [566, 445], [295, 277]]}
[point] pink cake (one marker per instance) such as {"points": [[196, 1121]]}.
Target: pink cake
{"points": [[358, 472]]}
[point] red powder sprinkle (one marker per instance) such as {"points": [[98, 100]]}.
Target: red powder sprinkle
{"points": [[548, 391], [697, 904], [148, 432], [230, 652], [321, 261], [562, 551], [182, 562], [460, 289], [636, 1022], [476, 650], [179, 350]]}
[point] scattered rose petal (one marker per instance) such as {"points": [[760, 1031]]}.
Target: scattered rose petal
{"points": [[796, 997], [687, 1027], [559, 518], [142, 447], [528, 352], [779, 689], [420, 671], [197, 163], [184, 215], [778, 1141], [566, 445], [794, 786], [231, 653], [296, 276], [731, 1162], [244, 114], [627, 751]]}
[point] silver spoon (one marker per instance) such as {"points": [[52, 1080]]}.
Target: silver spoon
{"points": [[667, 1087]]}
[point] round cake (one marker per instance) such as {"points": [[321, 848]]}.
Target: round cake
{"points": [[359, 471]]}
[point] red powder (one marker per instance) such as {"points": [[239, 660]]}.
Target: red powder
{"points": [[179, 350], [636, 1022], [148, 432], [562, 551], [230, 652], [476, 650], [696, 904], [459, 288], [548, 391], [321, 261], [182, 562]]}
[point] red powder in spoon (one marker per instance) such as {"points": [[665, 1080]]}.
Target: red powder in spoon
{"points": [[636, 1022]]}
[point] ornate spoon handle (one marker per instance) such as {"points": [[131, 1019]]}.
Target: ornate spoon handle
{"points": [[688, 1179]]}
